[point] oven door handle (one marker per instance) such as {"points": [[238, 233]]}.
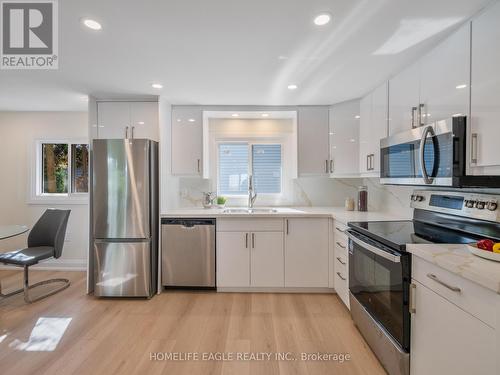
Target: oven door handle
{"points": [[428, 130], [384, 254]]}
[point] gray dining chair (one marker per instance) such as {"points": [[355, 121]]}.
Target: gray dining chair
{"points": [[46, 240]]}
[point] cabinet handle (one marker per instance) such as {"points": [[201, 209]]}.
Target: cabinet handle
{"points": [[372, 162], [287, 227], [340, 245], [412, 308], [132, 132], [341, 261], [246, 240], [473, 148], [420, 108], [326, 166], [340, 230], [342, 277], [126, 132], [253, 240], [413, 110], [198, 165], [368, 162], [436, 279], [331, 165]]}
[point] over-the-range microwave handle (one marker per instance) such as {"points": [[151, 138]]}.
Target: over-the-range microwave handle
{"points": [[384, 254], [428, 130]]}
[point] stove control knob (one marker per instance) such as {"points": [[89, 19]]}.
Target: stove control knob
{"points": [[492, 205], [412, 197], [419, 198], [470, 203], [480, 205]]}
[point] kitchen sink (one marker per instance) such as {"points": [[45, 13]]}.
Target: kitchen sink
{"points": [[249, 210]]}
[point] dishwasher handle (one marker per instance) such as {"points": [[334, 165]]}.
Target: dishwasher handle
{"points": [[187, 223]]}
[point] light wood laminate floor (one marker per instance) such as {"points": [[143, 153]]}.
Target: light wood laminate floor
{"points": [[72, 333]]}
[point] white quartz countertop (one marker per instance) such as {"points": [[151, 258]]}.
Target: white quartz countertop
{"points": [[338, 213], [458, 259]]}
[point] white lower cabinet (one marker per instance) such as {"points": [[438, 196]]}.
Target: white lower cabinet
{"points": [[266, 259], [447, 337], [246, 259], [260, 253], [233, 259], [341, 262], [306, 252]]}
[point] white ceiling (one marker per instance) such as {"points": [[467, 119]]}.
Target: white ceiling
{"points": [[232, 51]]}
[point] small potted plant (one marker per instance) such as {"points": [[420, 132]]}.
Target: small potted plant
{"points": [[221, 201]]}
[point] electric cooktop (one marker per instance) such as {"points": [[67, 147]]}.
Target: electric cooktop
{"points": [[396, 234]]}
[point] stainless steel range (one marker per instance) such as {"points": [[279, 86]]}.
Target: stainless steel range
{"points": [[380, 267]]}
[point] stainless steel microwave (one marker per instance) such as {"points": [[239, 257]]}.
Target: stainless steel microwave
{"points": [[433, 155]]}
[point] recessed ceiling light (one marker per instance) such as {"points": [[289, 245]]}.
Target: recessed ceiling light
{"points": [[265, 115], [179, 120], [322, 19], [157, 86], [292, 87], [140, 122], [191, 120], [462, 86], [91, 24], [357, 117], [235, 115], [352, 140]]}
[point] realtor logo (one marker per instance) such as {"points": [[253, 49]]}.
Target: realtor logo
{"points": [[29, 34]]}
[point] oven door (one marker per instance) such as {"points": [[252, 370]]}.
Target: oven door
{"points": [[379, 279], [430, 155]]}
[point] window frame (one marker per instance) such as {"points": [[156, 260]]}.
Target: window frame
{"points": [[250, 143], [37, 196]]}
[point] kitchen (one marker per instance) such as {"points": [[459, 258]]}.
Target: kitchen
{"points": [[337, 222]]}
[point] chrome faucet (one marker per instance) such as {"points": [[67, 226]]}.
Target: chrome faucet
{"points": [[252, 196]]}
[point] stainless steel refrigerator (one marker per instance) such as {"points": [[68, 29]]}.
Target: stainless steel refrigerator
{"points": [[125, 217]]}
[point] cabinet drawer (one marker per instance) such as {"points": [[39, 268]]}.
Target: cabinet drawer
{"points": [[250, 225], [339, 234], [341, 287], [341, 247], [473, 298], [341, 262]]}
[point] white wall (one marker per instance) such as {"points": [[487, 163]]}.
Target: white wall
{"points": [[18, 132]]}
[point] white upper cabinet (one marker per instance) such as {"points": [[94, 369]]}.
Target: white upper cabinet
{"points": [[113, 120], [365, 111], [120, 120], [344, 138], [404, 99], [485, 93], [313, 146], [187, 141], [445, 78], [373, 127], [144, 120]]}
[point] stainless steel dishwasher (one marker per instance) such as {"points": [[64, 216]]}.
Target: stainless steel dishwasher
{"points": [[188, 253]]}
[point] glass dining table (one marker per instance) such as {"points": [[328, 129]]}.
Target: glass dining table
{"points": [[7, 231]]}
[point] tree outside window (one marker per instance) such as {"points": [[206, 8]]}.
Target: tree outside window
{"points": [[64, 168]]}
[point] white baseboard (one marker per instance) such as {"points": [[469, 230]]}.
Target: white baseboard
{"points": [[274, 290], [55, 265]]}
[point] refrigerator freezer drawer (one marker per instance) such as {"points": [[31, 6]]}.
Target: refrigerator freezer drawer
{"points": [[188, 253], [122, 269]]}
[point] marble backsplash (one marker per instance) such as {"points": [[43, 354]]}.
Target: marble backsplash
{"points": [[310, 191]]}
